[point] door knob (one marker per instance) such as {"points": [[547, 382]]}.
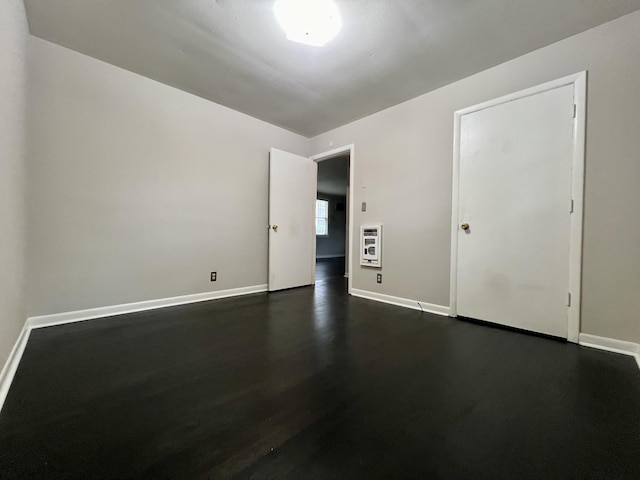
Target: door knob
{"points": [[275, 228], [464, 226]]}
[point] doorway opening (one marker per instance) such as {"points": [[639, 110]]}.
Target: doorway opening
{"points": [[332, 216]]}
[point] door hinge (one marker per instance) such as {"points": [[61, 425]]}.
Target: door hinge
{"points": [[575, 110], [571, 206], [568, 299]]}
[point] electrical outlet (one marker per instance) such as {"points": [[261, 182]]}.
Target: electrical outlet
{"points": [[214, 276], [379, 278]]}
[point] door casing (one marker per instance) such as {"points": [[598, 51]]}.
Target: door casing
{"points": [[352, 159], [579, 83]]}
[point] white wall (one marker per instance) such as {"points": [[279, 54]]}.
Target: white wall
{"points": [[13, 38], [403, 170], [138, 190]]}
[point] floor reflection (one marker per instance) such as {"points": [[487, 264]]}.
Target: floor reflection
{"points": [[329, 268]]}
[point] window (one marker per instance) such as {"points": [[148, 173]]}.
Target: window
{"points": [[322, 217]]}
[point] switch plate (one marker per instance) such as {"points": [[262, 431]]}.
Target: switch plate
{"points": [[364, 206]]}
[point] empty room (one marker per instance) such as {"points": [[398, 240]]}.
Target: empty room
{"points": [[319, 239]]}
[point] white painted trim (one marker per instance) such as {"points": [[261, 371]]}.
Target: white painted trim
{"points": [[577, 194], [611, 345], [528, 92], [402, 302], [80, 315], [352, 168], [321, 257], [455, 195], [336, 152], [579, 82], [11, 365]]}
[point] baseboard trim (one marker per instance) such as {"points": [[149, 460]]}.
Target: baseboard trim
{"points": [[611, 345], [402, 302], [91, 313], [11, 365], [329, 256]]}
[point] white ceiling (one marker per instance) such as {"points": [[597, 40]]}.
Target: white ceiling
{"points": [[234, 53]]}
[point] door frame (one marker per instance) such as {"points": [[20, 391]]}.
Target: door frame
{"points": [[352, 159], [579, 83]]}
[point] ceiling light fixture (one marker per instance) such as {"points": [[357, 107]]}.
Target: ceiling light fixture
{"points": [[312, 22]]}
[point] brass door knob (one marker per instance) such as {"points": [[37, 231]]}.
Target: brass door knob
{"points": [[464, 226], [275, 228]]}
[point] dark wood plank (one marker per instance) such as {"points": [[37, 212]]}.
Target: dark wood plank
{"points": [[311, 383]]}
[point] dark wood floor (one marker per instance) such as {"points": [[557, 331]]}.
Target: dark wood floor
{"points": [[329, 268], [311, 383]]}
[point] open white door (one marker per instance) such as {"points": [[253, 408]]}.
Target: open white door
{"points": [[292, 200], [514, 212]]}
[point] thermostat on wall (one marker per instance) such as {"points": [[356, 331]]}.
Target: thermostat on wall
{"points": [[371, 245]]}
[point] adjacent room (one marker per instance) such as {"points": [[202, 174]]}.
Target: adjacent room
{"points": [[331, 219], [320, 239]]}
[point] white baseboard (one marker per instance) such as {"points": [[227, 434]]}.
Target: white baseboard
{"points": [[80, 315], [11, 365], [611, 345], [401, 302], [329, 256]]}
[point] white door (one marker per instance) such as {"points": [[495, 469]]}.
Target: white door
{"points": [[515, 195], [292, 201]]}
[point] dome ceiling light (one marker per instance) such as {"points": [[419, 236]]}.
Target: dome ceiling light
{"points": [[312, 22]]}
